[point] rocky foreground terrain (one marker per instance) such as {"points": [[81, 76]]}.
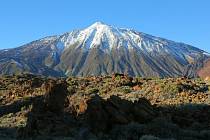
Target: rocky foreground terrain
{"points": [[104, 107]]}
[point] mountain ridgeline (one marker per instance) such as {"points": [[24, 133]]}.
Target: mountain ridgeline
{"points": [[102, 49]]}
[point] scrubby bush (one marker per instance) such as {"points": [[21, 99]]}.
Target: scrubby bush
{"points": [[171, 89], [92, 91], [124, 89], [118, 78], [71, 90]]}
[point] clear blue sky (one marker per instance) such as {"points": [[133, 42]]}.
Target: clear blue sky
{"points": [[22, 21]]}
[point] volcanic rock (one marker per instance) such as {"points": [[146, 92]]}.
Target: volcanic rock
{"points": [[46, 116], [101, 115]]}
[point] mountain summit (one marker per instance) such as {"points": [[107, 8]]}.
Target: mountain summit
{"points": [[102, 49]]}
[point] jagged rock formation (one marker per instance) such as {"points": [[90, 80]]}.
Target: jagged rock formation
{"points": [[110, 112], [46, 116], [55, 96]]}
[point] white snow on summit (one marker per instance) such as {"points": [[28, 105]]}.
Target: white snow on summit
{"points": [[109, 37]]}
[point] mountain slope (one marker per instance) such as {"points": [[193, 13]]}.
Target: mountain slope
{"points": [[102, 49], [204, 71]]}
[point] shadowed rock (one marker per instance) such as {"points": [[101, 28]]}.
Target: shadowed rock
{"points": [[46, 116], [55, 96], [102, 115]]}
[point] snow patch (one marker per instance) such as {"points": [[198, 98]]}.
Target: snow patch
{"points": [[205, 53]]}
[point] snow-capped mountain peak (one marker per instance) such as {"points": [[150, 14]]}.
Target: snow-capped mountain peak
{"points": [[97, 24], [100, 34], [108, 37], [104, 49]]}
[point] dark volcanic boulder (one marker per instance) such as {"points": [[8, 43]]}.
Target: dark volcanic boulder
{"points": [[55, 96], [101, 115], [143, 110], [46, 116], [96, 116]]}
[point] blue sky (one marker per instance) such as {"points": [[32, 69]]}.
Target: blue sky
{"points": [[22, 21]]}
